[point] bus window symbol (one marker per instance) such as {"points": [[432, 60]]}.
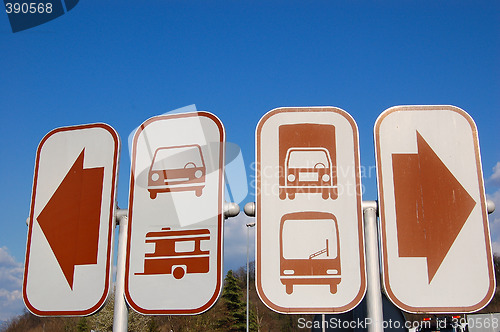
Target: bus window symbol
{"points": [[307, 160], [177, 252], [177, 168], [309, 250]]}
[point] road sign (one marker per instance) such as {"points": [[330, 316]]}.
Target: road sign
{"points": [[174, 250], [70, 236], [310, 251], [435, 239]]}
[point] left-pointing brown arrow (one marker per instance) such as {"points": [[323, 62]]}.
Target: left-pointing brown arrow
{"points": [[431, 205], [70, 220]]}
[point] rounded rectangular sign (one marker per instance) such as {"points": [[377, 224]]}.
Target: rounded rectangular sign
{"points": [[71, 224], [310, 250], [434, 227], [175, 234]]}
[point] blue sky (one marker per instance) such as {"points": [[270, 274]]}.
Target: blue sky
{"points": [[121, 62]]}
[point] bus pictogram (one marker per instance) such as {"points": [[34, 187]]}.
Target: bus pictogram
{"points": [[177, 252], [313, 258]]}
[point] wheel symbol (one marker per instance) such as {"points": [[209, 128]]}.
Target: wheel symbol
{"points": [[178, 272]]}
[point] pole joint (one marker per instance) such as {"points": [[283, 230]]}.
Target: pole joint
{"points": [[250, 209], [231, 210]]}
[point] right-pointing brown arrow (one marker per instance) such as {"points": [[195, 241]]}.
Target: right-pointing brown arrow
{"points": [[431, 205]]}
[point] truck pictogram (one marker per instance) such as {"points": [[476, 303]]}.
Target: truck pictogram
{"points": [[307, 160]]}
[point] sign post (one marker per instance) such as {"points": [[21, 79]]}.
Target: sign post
{"points": [[71, 223], [435, 239], [310, 251], [374, 309], [176, 213], [120, 312]]}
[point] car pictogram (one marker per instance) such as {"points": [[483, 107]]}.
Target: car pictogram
{"points": [[177, 168]]}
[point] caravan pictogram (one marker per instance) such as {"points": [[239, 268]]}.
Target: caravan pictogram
{"points": [[313, 258], [307, 160], [177, 252], [177, 168]]}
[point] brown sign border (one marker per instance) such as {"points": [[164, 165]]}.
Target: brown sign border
{"points": [[362, 290], [383, 222], [220, 222], [110, 219]]}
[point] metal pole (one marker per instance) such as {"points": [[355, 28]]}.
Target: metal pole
{"points": [[248, 272], [373, 293], [120, 316]]}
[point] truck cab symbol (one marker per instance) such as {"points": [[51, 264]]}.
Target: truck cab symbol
{"points": [[307, 160], [177, 168], [309, 250], [177, 252]]}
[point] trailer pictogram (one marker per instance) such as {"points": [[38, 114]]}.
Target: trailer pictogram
{"points": [[177, 252]]}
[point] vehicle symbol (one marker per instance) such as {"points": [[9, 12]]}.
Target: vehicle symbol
{"points": [[309, 250], [177, 252], [307, 160], [177, 168]]}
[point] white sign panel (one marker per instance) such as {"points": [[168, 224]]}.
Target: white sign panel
{"points": [[70, 236], [174, 252], [310, 251], [435, 240]]}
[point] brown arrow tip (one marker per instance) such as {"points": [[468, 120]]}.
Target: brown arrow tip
{"points": [[70, 220], [431, 205]]}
